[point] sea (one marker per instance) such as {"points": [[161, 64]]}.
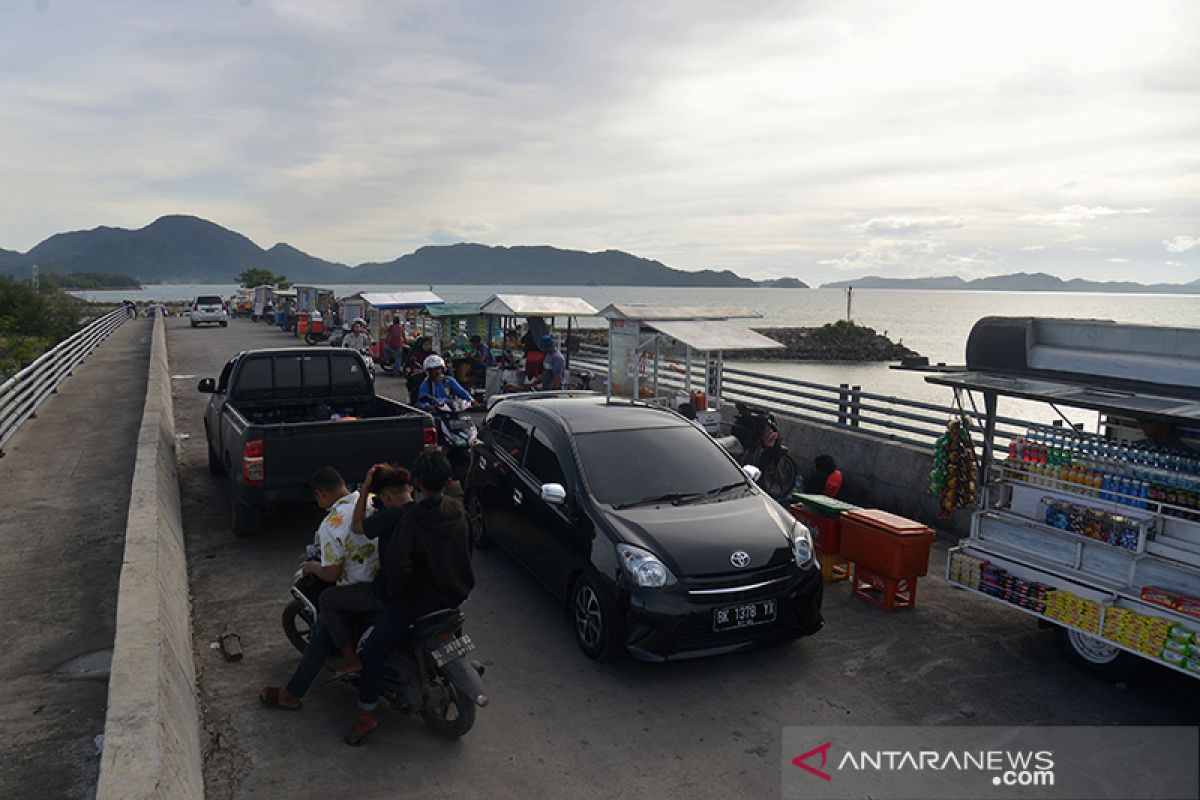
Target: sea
{"points": [[934, 323]]}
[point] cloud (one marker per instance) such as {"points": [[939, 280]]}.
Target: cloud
{"points": [[1075, 216], [1181, 244], [884, 253], [1118, 261], [1174, 263], [889, 226], [454, 231], [1034, 247]]}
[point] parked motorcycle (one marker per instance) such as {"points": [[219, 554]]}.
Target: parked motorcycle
{"points": [[319, 331], [456, 431], [761, 445], [427, 674]]}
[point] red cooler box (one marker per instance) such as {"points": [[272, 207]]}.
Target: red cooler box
{"points": [[823, 516], [886, 544]]}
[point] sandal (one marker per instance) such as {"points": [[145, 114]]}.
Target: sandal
{"points": [[364, 723], [269, 696], [339, 674]]}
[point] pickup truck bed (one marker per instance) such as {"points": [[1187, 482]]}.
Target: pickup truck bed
{"points": [[277, 416]]}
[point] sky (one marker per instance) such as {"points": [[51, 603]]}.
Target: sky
{"points": [[822, 140]]}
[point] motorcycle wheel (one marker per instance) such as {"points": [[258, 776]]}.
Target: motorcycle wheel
{"points": [[779, 478], [311, 338], [296, 626], [447, 710]]}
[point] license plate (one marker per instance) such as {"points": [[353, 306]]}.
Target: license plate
{"points": [[452, 650], [744, 616]]}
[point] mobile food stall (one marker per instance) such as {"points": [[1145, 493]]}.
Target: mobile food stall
{"points": [[373, 307], [508, 312], [1097, 534], [313, 307], [263, 301], [285, 309], [452, 325], [643, 338], [243, 302]]}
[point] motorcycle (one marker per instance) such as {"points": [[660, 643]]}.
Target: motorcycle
{"points": [[427, 673], [457, 433], [320, 332], [757, 433]]}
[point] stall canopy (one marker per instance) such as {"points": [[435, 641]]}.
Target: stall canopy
{"points": [[401, 299], [530, 305], [646, 312], [714, 335], [454, 310]]}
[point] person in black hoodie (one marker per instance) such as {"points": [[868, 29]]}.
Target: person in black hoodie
{"points": [[428, 568]]}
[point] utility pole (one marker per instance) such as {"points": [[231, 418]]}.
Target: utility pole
{"points": [[849, 299]]}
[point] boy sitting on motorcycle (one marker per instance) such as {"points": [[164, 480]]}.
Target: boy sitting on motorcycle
{"points": [[437, 387]]}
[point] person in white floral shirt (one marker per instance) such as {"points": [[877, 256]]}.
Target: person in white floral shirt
{"points": [[349, 560]]}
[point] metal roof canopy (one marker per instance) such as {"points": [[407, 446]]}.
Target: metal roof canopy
{"points": [[401, 299], [530, 305], [285, 292], [1078, 395], [713, 335], [644, 312]]}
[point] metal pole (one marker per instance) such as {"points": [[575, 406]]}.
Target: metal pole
{"points": [[843, 403], [567, 344], [687, 381], [989, 433], [855, 400], [657, 338], [849, 298]]}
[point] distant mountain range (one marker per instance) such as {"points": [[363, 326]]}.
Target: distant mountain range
{"points": [[1017, 282], [184, 249]]}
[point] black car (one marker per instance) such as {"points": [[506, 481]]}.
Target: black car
{"points": [[648, 530]]}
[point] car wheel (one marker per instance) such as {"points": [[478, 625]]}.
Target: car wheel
{"points": [[595, 620], [195, 324], [246, 521], [224, 324], [1096, 656], [477, 517]]}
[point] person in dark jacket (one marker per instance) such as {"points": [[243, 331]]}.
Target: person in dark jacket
{"points": [[427, 567], [828, 478]]}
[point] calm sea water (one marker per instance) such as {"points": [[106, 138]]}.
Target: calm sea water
{"points": [[934, 324]]}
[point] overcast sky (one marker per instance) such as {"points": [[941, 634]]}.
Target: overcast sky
{"points": [[824, 140]]}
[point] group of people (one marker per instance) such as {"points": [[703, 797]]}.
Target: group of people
{"points": [[393, 559]]}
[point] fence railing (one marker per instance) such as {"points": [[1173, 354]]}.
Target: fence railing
{"points": [[888, 417], [23, 393]]}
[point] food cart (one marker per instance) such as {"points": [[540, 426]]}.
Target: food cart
{"points": [[374, 306], [507, 312], [641, 338], [285, 309], [243, 302], [313, 306], [451, 326], [263, 302], [1097, 533]]}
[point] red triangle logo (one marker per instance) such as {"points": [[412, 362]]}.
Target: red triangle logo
{"points": [[823, 750]]}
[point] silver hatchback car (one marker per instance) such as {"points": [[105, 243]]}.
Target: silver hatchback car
{"points": [[209, 309]]}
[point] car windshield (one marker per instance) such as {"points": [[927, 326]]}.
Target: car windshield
{"points": [[677, 463], [208, 300]]}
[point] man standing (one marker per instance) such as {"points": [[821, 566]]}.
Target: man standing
{"points": [[395, 345], [554, 366]]}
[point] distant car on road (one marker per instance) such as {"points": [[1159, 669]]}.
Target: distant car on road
{"points": [[209, 309], [656, 540]]}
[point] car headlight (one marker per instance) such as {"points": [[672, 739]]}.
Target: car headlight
{"points": [[644, 567], [802, 546]]}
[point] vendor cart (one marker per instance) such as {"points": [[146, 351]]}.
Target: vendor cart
{"points": [[285, 309], [644, 340], [313, 307], [377, 307], [1097, 533], [263, 303], [507, 312]]}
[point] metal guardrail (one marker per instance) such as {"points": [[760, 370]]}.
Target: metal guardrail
{"points": [[23, 393], [887, 417]]}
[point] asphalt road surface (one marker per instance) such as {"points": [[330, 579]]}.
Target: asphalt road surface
{"points": [[560, 725]]}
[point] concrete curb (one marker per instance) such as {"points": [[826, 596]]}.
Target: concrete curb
{"points": [[152, 728]]}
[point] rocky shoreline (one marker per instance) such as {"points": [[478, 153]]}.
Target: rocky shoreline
{"points": [[838, 341]]}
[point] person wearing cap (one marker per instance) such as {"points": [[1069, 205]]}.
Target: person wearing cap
{"points": [[554, 366], [437, 385], [358, 338]]}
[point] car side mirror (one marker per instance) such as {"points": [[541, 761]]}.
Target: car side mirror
{"points": [[752, 472], [207, 385], [554, 494]]}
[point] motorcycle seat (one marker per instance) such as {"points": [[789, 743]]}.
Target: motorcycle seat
{"points": [[437, 622], [730, 443]]}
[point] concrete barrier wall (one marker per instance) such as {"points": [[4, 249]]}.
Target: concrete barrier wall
{"points": [[878, 474], [152, 728]]}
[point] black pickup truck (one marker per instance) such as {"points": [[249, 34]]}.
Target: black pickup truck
{"points": [[276, 416]]}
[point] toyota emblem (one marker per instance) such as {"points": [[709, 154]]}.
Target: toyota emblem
{"points": [[739, 559]]}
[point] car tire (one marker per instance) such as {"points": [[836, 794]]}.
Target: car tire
{"points": [[225, 324], [595, 620], [195, 324], [245, 521], [1096, 656], [215, 467], [477, 518]]}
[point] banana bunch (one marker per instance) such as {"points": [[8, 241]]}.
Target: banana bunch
{"points": [[952, 478]]}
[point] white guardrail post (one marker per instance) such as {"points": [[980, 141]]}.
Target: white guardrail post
{"points": [[23, 393]]}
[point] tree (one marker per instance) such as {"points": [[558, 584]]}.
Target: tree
{"points": [[256, 276]]}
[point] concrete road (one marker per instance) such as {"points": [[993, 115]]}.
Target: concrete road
{"points": [[66, 479], [562, 726]]}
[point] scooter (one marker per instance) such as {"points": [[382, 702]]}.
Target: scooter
{"points": [[457, 433], [426, 675], [757, 433]]}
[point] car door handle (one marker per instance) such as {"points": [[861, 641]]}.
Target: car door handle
{"points": [[517, 496]]}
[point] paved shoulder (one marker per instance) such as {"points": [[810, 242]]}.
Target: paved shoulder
{"points": [[66, 478]]}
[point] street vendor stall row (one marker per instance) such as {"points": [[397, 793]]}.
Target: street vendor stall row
{"points": [[508, 314], [1098, 532]]}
